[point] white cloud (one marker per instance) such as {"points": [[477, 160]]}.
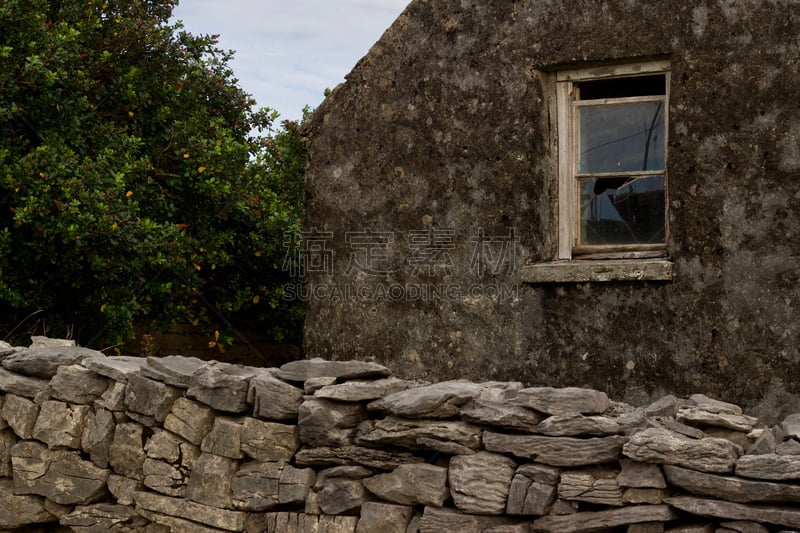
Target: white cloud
{"points": [[287, 53]]}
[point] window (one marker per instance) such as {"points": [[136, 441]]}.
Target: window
{"points": [[612, 142]]}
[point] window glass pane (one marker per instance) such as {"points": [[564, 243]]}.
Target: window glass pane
{"points": [[622, 210], [621, 137]]}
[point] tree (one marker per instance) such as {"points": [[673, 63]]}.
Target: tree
{"points": [[138, 182]]}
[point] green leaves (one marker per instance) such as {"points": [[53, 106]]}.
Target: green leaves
{"points": [[132, 188]]}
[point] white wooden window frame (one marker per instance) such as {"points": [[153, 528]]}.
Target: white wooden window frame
{"points": [[567, 178]]}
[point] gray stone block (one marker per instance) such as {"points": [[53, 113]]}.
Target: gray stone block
{"points": [[20, 413], [329, 423], [103, 517], [175, 370], [446, 436], [384, 518], [78, 384], [479, 483], [210, 481], [657, 445], [98, 434], [118, 368], [38, 470], [26, 386], [20, 510], [122, 488], [563, 401], [189, 510], [149, 397], [439, 400], [44, 361], [411, 484], [557, 451], [299, 371], [269, 441], [223, 386], [164, 477], [274, 399], [225, 438], [256, 486], [61, 424], [597, 485], [190, 420], [342, 496], [126, 454]]}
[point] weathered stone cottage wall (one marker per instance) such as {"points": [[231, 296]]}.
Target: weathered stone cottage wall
{"points": [[98, 443], [447, 126]]}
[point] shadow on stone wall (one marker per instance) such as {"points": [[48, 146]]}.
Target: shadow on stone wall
{"points": [[250, 347]]}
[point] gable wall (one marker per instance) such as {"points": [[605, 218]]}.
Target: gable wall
{"points": [[446, 124]]}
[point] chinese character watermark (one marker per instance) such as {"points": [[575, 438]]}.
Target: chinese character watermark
{"points": [[369, 252], [307, 251], [430, 251], [493, 254], [430, 254]]}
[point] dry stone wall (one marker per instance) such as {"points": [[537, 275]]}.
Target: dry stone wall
{"points": [[91, 443]]}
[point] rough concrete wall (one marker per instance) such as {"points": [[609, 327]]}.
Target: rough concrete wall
{"points": [[445, 124]]}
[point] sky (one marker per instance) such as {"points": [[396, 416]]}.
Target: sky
{"points": [[289, 52]]}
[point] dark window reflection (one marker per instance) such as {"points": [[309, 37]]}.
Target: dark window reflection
{"points": [[621, 137], [623, 210]]}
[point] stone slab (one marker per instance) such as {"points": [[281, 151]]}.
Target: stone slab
{"points": [[577, 425], [657, 445], [563, 401], [78, 384], [118, 368], [557, 451], [439, 519], [730, 488], [360, 391], [505, 414], [450, 437], [714, 406], [274, 399], [329, 423], [299, 371], [19, 385], [269, 441], [439, 400], [223, 386], [357, 455], [780, 516], [174, 370], [698, 416], [769, 466], [189, 510], [44, 362], [411, 484], [600, 520]]}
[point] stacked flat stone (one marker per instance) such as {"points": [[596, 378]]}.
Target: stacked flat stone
{"points": [[97, 443]]}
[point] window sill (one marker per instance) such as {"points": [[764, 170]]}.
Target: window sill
{"points": [[583, 271]]}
